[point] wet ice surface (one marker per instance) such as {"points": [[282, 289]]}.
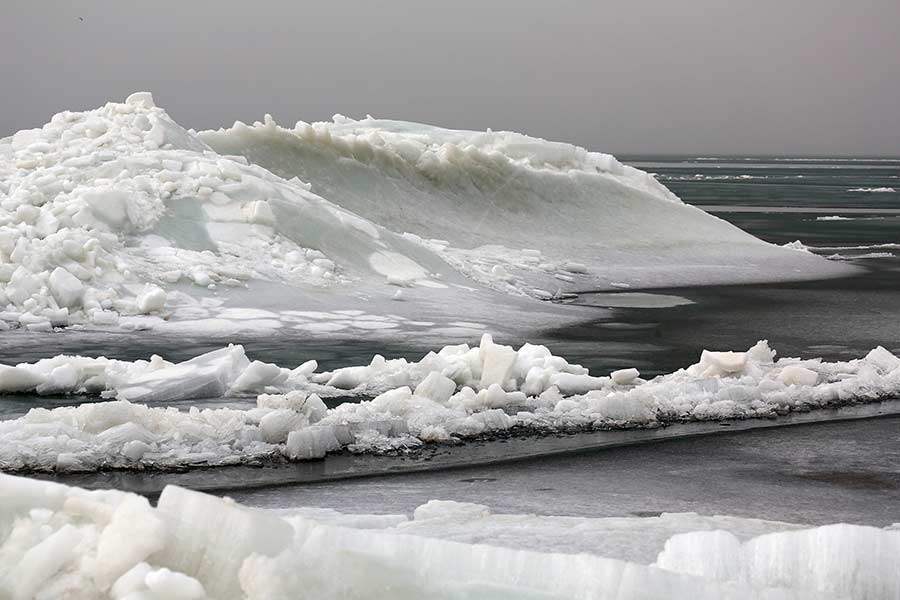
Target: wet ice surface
{"points": [[810, 474]]}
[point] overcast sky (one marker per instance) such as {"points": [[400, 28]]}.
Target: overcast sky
{"points": [[705, 77]]}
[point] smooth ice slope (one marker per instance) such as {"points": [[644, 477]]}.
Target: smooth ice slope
{"points": [[456, 393], [512, 211], [57, 541]]}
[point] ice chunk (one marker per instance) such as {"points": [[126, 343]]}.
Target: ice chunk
{"points": [[836, 560], [436, 387], [209, 375], [311, 442], [66, 288], [143, 99], [153, 299], [797, 375], [624, 376], [497, 362], [277, 424], [209, 538], [41, 562], [259, 375], [173, 586], [18, 379], [719, 364], [134, 532], [883, 360]]}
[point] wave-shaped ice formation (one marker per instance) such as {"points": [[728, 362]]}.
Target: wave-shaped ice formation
{"points": [[458, 392], [490, 194], [58, 541]]}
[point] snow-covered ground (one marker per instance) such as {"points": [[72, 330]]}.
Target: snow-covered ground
{"points": [[456, 393], [57, 541], [119, 217]]}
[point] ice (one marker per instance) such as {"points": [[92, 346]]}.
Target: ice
{"points": [[624, 376], [883, 360], [209, 538], [439, 185], [797, 375], [207, 376], [65, 287], [153, 299], [51, 537], [311, 442], [173, 586], [107, 211], [459, 392], [838, 560], [436, 387], [116, 211]]}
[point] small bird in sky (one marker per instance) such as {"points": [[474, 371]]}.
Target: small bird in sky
{"points": [[81, 18]]}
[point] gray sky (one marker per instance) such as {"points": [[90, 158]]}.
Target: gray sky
{"points": [[705, 76]]}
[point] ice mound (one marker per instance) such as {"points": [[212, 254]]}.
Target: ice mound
{"points": [[118, 216], [57, 541], [457, 393], [120, 211], [520, 214]]}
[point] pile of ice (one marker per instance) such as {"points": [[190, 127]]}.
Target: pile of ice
{"points": [[456, 393], [120, 211], [57, 541]]}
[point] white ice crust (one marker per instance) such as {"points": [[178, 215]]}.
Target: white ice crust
{"points": [[456, 393], [120, 211], [57, 541]]}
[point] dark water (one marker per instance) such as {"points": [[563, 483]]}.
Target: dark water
{"points": [[810, 474], [764, 186]]}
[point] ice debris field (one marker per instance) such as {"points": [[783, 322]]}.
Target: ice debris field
{"points": [[119, 217], [453, 394], [64, 542]]}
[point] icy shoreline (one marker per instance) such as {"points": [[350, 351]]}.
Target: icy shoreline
{"points": [[59, 541], [455, 394]]}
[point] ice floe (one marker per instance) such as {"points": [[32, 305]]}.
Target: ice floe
{"points": [[58, 541], [459, 392]]}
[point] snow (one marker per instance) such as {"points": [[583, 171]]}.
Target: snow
{"points": [[457, 393], [55, 541]]}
